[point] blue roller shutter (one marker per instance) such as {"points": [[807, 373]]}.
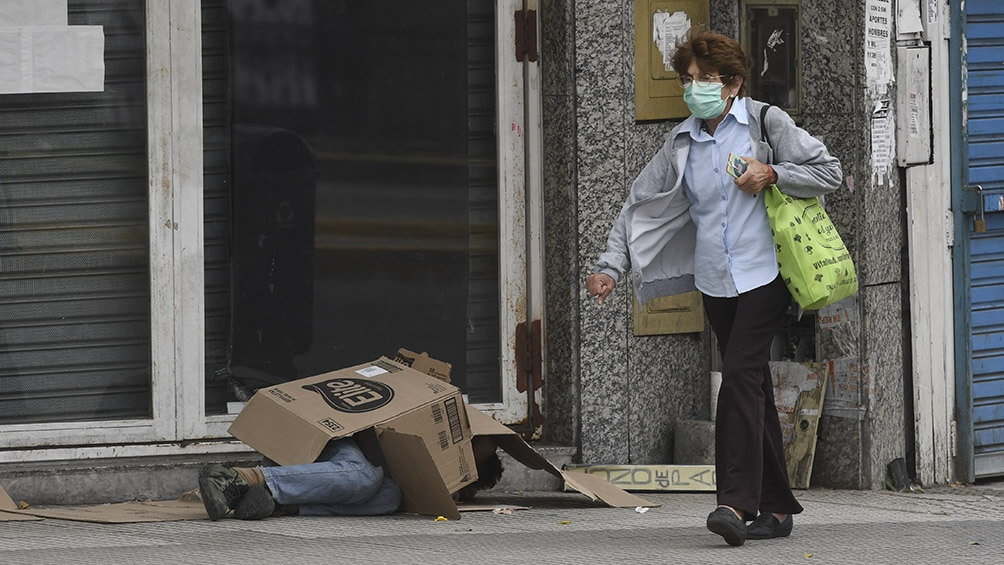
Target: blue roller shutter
{"points": [[984, 30]]}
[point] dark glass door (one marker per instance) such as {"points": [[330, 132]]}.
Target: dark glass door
{"points": [[351, 189]]}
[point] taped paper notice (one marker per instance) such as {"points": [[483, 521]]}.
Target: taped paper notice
{"points": [[39, 52], [882, 142], [878, 56], [843, 396], [33, 12], [666, 29]]}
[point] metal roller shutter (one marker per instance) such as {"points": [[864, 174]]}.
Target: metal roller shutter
{"points": [[984, 29], [74, 259]]}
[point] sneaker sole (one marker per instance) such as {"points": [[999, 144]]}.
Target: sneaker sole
{"points": [[726, 530], [256, 504], [213, 508]]}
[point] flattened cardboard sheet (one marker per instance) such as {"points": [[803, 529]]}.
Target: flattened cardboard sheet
{"points": [[14, 517], [594, 487], [799, 392], [123, 512], [7, 503], [411, 465]]}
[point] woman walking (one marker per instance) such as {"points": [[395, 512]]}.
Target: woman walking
{"points": [[688, 224]]}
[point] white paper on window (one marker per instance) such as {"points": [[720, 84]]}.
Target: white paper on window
{"points": [[39, 52]]}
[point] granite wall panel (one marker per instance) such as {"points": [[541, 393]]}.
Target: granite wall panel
{"points": [[618, 396], [561, 385], [885, 431]]}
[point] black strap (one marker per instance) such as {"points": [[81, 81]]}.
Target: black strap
{"points": [[763, 123]]}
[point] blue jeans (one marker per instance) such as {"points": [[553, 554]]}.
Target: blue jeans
{"points": [[341, 483]]}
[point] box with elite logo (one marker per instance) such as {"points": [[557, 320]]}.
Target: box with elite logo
{"points": [[419, 421]]}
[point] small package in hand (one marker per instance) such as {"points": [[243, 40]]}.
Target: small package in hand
{"points": [[736, 165]]}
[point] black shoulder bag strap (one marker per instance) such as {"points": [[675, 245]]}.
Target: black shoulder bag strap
{"points": [[763, 125]]}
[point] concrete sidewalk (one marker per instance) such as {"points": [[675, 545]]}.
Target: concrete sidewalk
{"points": [[951, 525]]}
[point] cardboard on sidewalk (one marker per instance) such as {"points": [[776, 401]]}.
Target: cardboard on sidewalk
{"points": [[120, 513], [9, 510], [418, 420], [595, 487]]}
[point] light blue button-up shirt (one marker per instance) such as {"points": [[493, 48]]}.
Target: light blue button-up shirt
{"points": [[735, 250]]}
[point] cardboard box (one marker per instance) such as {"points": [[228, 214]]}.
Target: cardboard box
{"points": [[422, 363], [593, 486], [419, 422]]}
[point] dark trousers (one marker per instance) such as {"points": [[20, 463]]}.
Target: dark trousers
{"points": [[749, 454]]}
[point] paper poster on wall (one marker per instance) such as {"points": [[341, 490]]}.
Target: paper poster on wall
{"points": [[845, 390], [667, 29], [39, 52], [882, 142], [878, 58], [658, 24]]}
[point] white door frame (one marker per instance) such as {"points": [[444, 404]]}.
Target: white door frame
{"points": [[534, 156], [930, 236], [163, 272], [520, 179]]}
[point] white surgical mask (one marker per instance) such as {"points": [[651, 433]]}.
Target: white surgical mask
{"points": [[704, 99]]}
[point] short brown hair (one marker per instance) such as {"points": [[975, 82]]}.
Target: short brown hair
{"points": [[713, 52]]}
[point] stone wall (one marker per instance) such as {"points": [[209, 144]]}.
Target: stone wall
{"points": [[618, 397]]}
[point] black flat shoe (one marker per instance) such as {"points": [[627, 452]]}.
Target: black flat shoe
{"points": [[766, 526], [725, 523]]}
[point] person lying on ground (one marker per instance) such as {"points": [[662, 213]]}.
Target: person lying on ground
{"points": [[342, 482]]}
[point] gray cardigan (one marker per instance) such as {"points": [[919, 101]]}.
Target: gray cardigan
{"points": [[654, 236]]}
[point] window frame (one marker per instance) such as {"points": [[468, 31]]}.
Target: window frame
{"points": [[175, 154]]}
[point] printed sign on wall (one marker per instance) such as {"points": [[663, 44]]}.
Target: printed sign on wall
{"points": [[40, 52]]}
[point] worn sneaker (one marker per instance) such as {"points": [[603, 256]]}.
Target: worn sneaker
{"points": [[766, 526], [257, 503], [221, 488]]}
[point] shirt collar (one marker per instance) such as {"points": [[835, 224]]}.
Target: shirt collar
{"points": [[692, 126], [739, 111]]}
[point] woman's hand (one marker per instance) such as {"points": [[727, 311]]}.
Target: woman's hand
{"points": [[600, 285], [757, 177]]}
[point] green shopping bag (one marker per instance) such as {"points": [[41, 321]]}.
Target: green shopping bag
{"points": [[813, 260]]}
